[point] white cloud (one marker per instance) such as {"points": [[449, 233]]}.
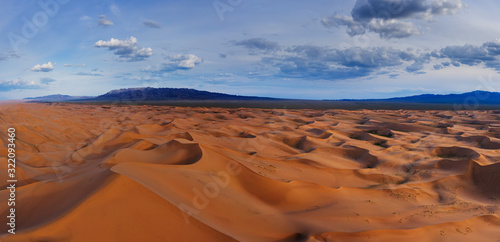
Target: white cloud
{"points": [[43, 67], [116, 43], [392, 28], [127, 49], [103, 21], [83, 73], [186, 61], [85, 18], [20, 84], [176, 63]]}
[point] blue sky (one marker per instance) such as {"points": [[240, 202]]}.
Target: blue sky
{"points": [[314, 49]]}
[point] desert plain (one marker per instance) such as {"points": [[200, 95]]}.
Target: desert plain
{"points": [[161, 173]]}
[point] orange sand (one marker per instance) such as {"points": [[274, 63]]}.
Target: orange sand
{"points": [[147, 173]]}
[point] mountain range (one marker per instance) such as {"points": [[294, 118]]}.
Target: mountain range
{"points": [[169, 94], [57, 98], [468, 98], [179, 94]]}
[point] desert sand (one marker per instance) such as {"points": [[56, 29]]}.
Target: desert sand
{"points": [[158, 173]]}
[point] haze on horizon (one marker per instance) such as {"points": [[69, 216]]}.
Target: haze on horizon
{"points": [[289, 49]]}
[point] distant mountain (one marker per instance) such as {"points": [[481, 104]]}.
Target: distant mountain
{"points": [[470, 98], [178, 94], [56, 98], [167, 94]]}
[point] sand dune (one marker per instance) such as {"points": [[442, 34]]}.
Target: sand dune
{"points": [[154, 173]]}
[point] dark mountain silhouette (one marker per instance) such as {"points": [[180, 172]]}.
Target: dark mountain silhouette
{"points": [[56, 98], [470, 98], [167, 94]]}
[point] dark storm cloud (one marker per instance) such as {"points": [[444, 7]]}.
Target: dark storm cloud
{"points": [[315, 62], [386, 29], [261, 44], [438, 66], [318, 62], [366, 10], [472, 55], [312, 62], [467, 54], [386, 17], [353, 28]]}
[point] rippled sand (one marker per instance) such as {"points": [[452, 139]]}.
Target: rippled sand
{"points": [[147, 173]]}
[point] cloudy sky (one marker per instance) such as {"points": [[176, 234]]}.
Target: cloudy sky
{"points": [[317, 49]]}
